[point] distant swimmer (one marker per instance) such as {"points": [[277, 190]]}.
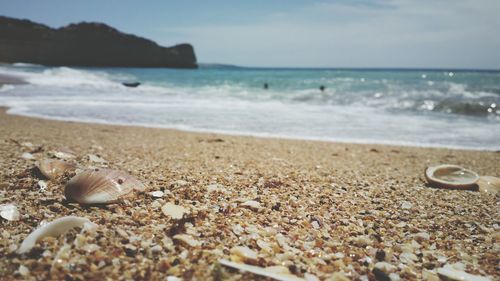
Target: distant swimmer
{"points": [[322, 88], [266, 86]]}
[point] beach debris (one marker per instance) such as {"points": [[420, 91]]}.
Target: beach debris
{"points": [[96, 159], [281, 273], [215, 187], [187, 240], [449, 272], [23, 270], [243, 254], [254, 205], [27, 156], [64, 153], [54, 228], [488, 184], [176, 212], [42, 185], [157, 194], [451, 176], [406, 205], [53, 168], [102, 186], [9, 212]]}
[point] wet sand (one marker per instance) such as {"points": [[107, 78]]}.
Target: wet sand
{"points": [[326, 209]]}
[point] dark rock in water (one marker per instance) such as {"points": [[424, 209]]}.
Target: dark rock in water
{"points": [[86, 44], [132, 85]]}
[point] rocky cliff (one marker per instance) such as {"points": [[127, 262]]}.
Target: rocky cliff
{"points": [[86, 44]]}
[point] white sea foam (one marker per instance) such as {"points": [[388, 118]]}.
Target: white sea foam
{"points": [[379, 110]]}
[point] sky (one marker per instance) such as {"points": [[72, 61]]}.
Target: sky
{"points": [[292, 33]]}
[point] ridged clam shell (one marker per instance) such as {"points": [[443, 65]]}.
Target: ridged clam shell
{"points": [[489, 184], [52, 168], [101, 186], [451, 176]]}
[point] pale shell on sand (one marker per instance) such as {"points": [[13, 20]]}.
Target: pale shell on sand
{"points": [[451, 176], [176, 212], [102, 186], [52, 168], [9, 212], [488, 184], [54, 229]]}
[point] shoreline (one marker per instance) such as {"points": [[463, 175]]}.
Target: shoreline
{"points": [[327, 209], [247, 134]]}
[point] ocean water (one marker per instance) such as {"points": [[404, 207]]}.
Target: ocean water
{"points": [[436, 108]]}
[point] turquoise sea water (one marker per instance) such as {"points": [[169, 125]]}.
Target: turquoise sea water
{"points": [[443, 108]]}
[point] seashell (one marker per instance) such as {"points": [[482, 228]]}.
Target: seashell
{"points": [[188, 240], [9, 212], [96, 159], [488, 184], [64, 153], [176, 212], [243, 254], [27, 156], [52, 168], [157, 194], [254, 205], [271, 272], [451, 176], [101, 186], [448, 272], [53, 229]]}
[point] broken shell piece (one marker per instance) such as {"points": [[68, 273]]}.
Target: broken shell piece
{"points": [[254, 205], [42, 185], [101, 186], [96, 159], [28, 156], [52, 168], [157, 194], [64, 153], [448, 272], [9, 212], [54, 229], [451, 176], [174, 211], [488, 184], [187, 240], [243, 254], [271, 273]]}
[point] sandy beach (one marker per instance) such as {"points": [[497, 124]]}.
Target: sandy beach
{"points": [[329, 210]]}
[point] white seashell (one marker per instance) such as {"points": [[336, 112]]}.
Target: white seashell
{"points": [[406, 205], [243, 254], [187, 239], [157, 194], [64, 153], [101, 186], [54, 229], [96, 159], [449, 273], [23, 270], [28, 156], [9, 212], [42, 185], [488, 184], [52, 168], [451, 176], [174, 211], [254, 205], [27, 144], [261, 271]]}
